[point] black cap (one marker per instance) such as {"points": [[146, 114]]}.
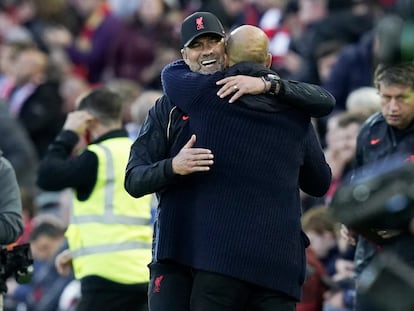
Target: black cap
{"points": [[200, 23]]}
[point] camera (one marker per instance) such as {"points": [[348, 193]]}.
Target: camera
{"points": [[16, 261], [379, 202], [388, 270]]}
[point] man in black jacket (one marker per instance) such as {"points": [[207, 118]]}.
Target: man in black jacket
{"points": [[158, 157], [386, 137]]}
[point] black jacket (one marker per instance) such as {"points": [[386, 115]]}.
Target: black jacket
{"points": [[378, 147]]}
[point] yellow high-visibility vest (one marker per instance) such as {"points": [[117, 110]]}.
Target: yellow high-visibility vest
{"points": [[110, 233]]}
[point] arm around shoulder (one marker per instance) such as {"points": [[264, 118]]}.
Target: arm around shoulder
{"points": [[310, 98]]}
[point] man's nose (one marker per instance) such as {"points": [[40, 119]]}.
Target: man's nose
{"points": [[208, 48], [393, 104]]}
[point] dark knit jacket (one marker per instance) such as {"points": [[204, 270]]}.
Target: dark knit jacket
{"points": [[242, 218]]}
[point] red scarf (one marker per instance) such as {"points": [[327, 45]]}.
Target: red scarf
{"points": [[84, 39]]}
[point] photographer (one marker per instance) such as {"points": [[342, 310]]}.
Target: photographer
{"points": [[11, 225]]}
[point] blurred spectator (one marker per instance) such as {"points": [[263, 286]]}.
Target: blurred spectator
{"points": [[89, 49], [231, 13], [9, 51], [139, 110], [355, 65], [330, 286], [343, 129], [340, 151], [365, 101], [326, 55], [24, 14], [272, 21], [35, 100], [320, 229], [18, 149], [44, 290], [325, 20], [145, 45], [71, 87], [124, 9], [129, 91]]}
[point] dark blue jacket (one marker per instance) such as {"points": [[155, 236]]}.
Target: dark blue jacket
{"points": [[353, 69], [378, 146], [242, 218]]}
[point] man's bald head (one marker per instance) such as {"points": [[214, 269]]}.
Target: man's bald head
{"points": [[248, 44]]}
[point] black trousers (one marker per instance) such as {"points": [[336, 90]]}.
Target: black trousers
{"points": [[110, 300], [170, 287], [178, 288]]}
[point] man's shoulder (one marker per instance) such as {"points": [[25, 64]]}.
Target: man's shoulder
{"points": [[178, 74], [375, 121], [247, 68], [164, 109]]}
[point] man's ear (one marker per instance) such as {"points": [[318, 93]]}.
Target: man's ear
{"points": [[268, 60], [184, 55]]}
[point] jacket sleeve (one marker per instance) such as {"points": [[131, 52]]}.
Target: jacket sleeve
{"points": [[11, 224], [59, 169], [315, 174], [310, 98], [149, 167]]}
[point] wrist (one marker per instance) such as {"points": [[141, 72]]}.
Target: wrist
{"points": [[266, 85], [274, 81]]}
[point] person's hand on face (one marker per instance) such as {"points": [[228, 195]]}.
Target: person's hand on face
{"points": [[190, 160], [78, 121]]}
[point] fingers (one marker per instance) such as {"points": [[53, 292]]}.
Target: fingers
{"points": [[348, 235], [236, 96], [63, 262], [388, 234], [237, 86], [229, 88], [190, 160], [190, 142], [78, 121]]}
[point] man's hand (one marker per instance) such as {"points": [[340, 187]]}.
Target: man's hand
{"points": [[240, 85], [63, 262], [190, 160], [348, 235], [388, 234], [78, 121]]}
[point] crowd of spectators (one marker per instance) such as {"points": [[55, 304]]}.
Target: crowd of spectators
{"points": [[52, 51]]}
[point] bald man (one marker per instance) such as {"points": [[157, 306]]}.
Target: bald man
{"points": [[240, 225], [255, 51]]}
